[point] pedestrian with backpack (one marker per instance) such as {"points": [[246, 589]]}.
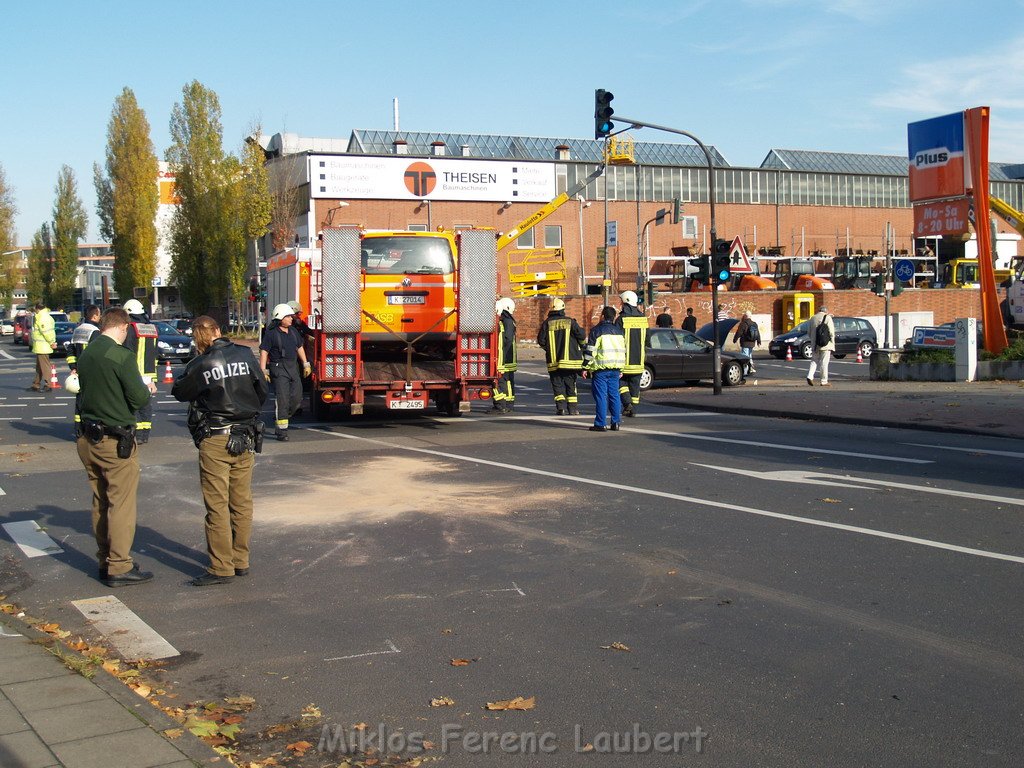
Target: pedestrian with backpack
{"points": [[822, 332], [748, 335]]}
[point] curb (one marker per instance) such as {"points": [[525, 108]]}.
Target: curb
{"points": [[189, 745]]}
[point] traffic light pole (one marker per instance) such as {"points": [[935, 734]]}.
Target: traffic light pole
{"points": [[716, 351]]}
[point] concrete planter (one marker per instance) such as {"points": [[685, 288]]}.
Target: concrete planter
{"points": [[887, 365]]}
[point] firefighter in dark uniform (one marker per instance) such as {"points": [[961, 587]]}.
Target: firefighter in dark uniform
{"points": [[508, 361], [280, 349], [563, 342], [141, 342], [225, 389], [84, 332], [634, 325], [112, 391]]}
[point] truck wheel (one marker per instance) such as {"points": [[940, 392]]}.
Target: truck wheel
{"points": [[321, 410]]}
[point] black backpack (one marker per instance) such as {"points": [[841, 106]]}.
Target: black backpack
{"points": [[751, 332], [822, 335]]}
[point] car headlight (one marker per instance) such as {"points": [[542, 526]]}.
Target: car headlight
{"points": [[789, 341], [163, 345]]}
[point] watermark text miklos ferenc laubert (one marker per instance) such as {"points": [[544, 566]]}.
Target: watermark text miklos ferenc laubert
{"points": [[455, 737]]}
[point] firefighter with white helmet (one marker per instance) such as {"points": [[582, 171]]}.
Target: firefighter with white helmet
{"points": [[634, 325], [84, 332], [563, 342], [508, 362], [141, 342], [280, 352]]}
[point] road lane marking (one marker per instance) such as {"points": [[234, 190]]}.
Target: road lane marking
{"points": [[54, 405], [985, 451], [14, 405], [31, 539], [688, 499], [848, 481], [133, 638], [392, 648], [775, 446], [46, 418], [515, 588]]}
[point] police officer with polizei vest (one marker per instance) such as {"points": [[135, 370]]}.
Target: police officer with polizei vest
{"points": [[112, 390], [508, 361], [225, 390], [141, 342], [563, 342], [280, 350], [634, 325]]}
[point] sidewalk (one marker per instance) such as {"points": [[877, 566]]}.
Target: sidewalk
{"points": [[52, 716]]}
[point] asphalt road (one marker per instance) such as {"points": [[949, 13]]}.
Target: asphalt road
{"points": [[803, 594]]}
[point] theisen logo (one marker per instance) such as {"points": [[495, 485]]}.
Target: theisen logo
{"points": [[420, 179]]}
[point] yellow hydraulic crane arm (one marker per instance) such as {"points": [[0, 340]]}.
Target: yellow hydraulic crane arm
{"points": [[1008, 213], [546, 210]]}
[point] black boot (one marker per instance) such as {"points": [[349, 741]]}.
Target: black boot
{"points": [[574, 411]]}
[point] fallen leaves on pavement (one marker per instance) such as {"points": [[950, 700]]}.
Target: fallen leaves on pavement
{"points": [[518, 703], [442, 701], [462, 662], [616, 646], [299, 747]]}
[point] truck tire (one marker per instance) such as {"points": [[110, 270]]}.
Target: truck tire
{"points": [[321, 410]]}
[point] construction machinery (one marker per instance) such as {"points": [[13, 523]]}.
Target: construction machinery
{"points": [[540, 272], [852, 270], [403, 318], [797, 274]]}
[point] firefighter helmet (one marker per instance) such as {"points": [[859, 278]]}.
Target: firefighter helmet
{"points": [[134, 307], [629, 297], [557, 305], [296, 307], [72, 384], [281, 311], [504, 305]]}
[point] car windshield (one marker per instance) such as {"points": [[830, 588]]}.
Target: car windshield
{"points": [[799, 328], [63, 327], [407, 256], [165, 329]]}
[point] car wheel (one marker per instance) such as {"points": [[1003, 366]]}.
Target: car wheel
{"points": [[866, 348], [806, 351], [732, 374], [646, 378]]}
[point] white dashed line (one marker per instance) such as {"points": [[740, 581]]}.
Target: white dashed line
{"points": [[31, 539], [392, 648], [133, 638]]}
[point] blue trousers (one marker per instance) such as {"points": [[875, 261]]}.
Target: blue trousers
{"points": [[605, 386]]}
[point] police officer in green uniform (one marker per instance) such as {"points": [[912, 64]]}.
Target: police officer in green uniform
{"points": [[141, 342], [225, 390], [508, 362], [634, 325], [563, 342], [112, 390]]}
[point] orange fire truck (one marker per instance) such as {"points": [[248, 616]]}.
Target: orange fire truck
{"points": [[405, 318]]}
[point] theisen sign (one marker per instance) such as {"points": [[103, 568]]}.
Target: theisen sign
{"points": [[434, 178]]}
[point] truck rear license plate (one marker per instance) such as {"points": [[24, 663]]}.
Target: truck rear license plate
{"points": [[403, 404], [407, 299]]}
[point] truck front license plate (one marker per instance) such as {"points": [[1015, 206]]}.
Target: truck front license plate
{"points": [[402, 404], [407, 299]]}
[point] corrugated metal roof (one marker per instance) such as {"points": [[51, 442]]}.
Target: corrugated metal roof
{"points": [[497, 147], [836, 162]]}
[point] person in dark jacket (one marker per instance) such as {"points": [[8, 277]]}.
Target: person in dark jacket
{"points": [[748, 335], [563, 341], [112, 391], [281, 355], [664, 320], [508, 362], [225, 390], [690, 321], [84, 332], [633, 323]]}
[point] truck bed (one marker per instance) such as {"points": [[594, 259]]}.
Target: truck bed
{"points": [[425, 371]]}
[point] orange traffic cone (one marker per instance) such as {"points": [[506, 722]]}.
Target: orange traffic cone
{"points": [[168, 376], [860, 357], [54, 381], [789, 354]]}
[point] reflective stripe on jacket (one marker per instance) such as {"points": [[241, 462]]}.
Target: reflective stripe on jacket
{"points": [[562, 340], [508, 359], [606, 348], [634, 324]]}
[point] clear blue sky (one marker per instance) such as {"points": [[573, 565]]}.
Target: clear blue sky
{"points": [[744, 75]]}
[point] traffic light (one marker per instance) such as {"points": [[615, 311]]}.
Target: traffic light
{"points": [[651, 293], [878, 284], [677, 209], [722, 261], [897, 287], [254, 288], [603, 112], [698, 268]]}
